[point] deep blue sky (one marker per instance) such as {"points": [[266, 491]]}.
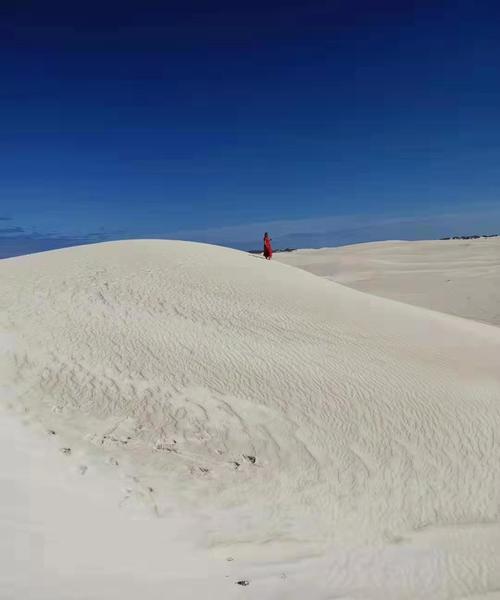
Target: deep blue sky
{"points": [[323, 122]]}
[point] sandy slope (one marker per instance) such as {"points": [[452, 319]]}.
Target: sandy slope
{"points": [[334, 444], [461, 277]]}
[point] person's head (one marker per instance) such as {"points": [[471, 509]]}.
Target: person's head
{"points": [[266, 235]]}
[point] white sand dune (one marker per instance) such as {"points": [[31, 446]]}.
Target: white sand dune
{"points": [[461, 277], [214, 405]]}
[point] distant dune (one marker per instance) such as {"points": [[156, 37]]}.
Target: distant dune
{"points": [[187, 421], [461, 277]]}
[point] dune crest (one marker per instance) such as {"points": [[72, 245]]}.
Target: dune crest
{"points": [[460, 277]]}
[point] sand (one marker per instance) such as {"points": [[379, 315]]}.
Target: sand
{"points": [[178, 417], [461, 277]]}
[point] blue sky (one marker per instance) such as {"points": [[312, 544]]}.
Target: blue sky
{"points": [[323, 122]]}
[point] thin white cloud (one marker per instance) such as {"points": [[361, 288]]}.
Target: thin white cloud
{"points": [[303, 233], [351, 229]]}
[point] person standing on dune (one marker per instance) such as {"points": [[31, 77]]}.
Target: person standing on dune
{"points": [[268, 249]]}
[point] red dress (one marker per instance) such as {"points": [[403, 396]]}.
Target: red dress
{"points": [[268, 249]]}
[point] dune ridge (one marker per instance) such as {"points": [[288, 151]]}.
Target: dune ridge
{"points": [[460, 277]]}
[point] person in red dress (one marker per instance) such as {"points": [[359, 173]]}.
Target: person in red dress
{"points": [[268, 249]]}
